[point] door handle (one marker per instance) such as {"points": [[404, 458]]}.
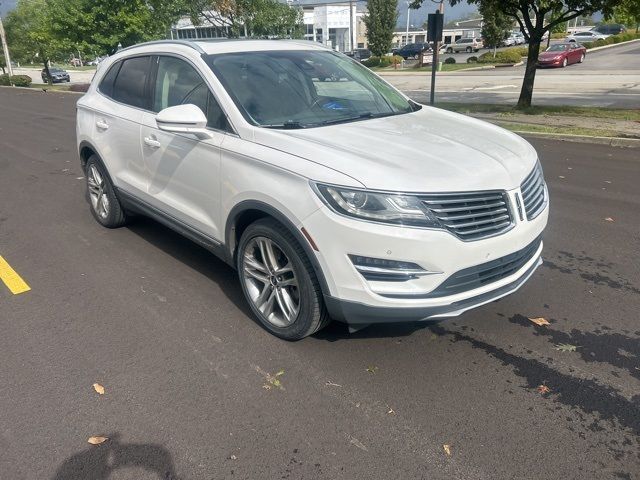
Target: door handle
{"points": [[151, 142], [102, 125]]}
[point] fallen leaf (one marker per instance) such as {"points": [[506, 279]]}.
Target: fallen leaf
{"points": [[609, 219], [372, 369], [543, 389], [233, 457], [273, 381], [447, 449], [98, 388], [566, 347], [391, 411], [540, 321], [331, 384], [97, 440]]}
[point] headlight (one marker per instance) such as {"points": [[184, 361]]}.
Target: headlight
{"points": [[377, 207]]}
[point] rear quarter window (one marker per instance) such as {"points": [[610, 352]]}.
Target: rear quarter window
{"points": [[106, 84]]}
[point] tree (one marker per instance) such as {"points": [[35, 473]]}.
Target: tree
{"points": [[258, 18], [29, 34], [628, 13], [496, 27], [380, 21], [536, 18], [99, 27]]}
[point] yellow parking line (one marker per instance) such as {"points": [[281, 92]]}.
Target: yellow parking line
{"points": [[11, 279]]}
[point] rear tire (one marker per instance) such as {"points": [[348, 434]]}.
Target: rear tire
{"points": [[103, 203], [279, 282]]}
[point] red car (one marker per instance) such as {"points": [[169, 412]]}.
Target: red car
{"points": [[562, 54]]}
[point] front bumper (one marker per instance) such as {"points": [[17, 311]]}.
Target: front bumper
{"points": [[355, 300]]}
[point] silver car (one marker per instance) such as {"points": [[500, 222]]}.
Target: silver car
{"points": [[468, 45]]}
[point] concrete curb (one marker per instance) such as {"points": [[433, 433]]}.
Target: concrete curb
{"points": [[611, 141], [604, 47], [36, 89]]}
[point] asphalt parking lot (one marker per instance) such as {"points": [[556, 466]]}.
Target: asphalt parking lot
{"points": [[162, 325]]}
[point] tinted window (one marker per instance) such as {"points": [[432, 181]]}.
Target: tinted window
{"points": [[131, 82], [178, 83], [106, 85]]}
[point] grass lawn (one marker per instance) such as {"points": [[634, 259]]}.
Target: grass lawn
{"points": [[446, 67], [60, 87], [526, 127], [553, 111]]}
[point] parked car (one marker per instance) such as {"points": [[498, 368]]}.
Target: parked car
{"points": [[509, 42], [589, 36], [360, 54], [337, 199], [465, 45], [610, 29], [562, 54], [412, 50], [58, 75]]}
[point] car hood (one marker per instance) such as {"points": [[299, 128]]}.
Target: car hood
{"points": [[550, 55], [430, 150]]}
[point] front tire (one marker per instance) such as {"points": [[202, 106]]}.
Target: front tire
{"points": [[469, 50], [104, 205], [449, 50], [279, 282]]}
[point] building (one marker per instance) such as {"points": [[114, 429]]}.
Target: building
{"points": [[419, 35], [338, 25]]}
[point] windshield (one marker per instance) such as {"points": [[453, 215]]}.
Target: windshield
{"points": [[557, 48], [304, 88]]}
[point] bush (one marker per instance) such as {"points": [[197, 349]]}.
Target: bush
{"points": [[372, 62], [4, 80], [472, 60], [21, 80], [511, 55], [450, 61]]}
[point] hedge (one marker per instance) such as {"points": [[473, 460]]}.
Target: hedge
{"points": [[17, 80], [621, 37], [382, 61], [511, 55]]}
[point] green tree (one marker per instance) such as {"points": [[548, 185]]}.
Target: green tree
{"points": [[100, 26], [496, 27], [628, 13], [536, 18], [255, 18], [29, 33], [380, 21]]}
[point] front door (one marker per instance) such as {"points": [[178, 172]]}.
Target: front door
{"points": [[184, 171]]}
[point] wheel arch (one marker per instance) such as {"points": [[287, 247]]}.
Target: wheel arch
{"points": [[246, 212]]}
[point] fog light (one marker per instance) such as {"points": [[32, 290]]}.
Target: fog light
{"points": [[382, 270]]}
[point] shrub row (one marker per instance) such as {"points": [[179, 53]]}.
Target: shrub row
{"points": [[383, 61], [511, 55], [622, 37], [17, 80]]}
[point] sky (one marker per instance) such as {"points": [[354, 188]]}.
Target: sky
{"points": [[6, 5]]}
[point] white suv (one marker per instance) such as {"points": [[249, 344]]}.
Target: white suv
{"points": [[331, 193]]}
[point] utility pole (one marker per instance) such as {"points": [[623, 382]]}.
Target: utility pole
{"points": [[436, 56], [406, 39], [352, 32], [5, 49]]}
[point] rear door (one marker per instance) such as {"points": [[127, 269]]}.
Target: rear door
{"points": [[184, 179], [118, 112]]}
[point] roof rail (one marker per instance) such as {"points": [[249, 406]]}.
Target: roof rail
{"points": [[186, 43]]}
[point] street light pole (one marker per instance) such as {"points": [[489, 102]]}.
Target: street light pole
{"points": [[5, 49], [436, 62]]}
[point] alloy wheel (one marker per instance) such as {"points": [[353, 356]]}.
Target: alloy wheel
{"points": [[271, 281], [97, 193]]}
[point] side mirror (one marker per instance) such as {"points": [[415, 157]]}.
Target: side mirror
{"points": [[183, 119]]}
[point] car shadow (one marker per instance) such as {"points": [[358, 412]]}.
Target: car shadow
{"points": [[100, 461]]}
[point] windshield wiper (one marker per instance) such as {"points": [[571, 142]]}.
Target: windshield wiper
{"points": [[288, 125], [362, 116]]}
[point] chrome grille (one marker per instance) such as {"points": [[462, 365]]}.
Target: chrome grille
{"points": [[533, 194], [471, 216]]}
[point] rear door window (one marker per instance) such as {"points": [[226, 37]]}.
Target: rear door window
{"points": [[130, 86]]}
